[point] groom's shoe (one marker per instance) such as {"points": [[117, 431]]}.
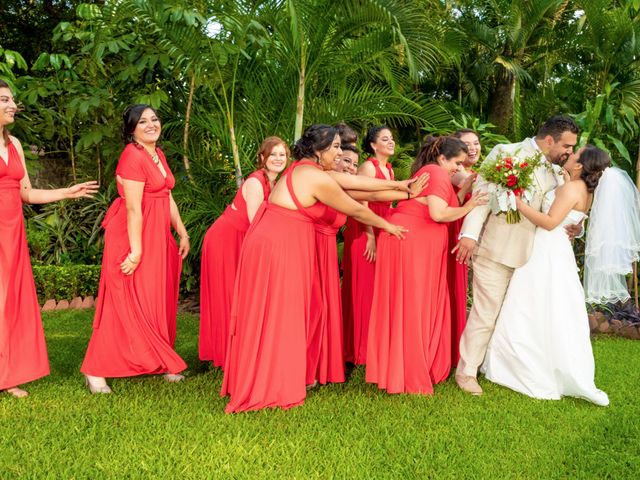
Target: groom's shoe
{"points": [[469, 384]]}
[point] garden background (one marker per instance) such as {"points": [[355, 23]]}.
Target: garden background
{"points": [[224, 74]]}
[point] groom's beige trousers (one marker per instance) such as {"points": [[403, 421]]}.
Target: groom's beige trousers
{"points": [[490, 282]]}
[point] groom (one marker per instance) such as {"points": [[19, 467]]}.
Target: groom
{"points": [[498, 248]]}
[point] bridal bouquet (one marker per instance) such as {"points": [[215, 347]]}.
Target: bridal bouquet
{"points": [[509, 177]]}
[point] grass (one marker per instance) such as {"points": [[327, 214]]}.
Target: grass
{"points": [[150, 428]]}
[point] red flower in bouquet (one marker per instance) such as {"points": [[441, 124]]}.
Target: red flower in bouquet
{"points": [[508, 178]]}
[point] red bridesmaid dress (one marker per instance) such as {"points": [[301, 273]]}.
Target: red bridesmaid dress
{"points": [[134, 328], [357, 280], [23, 353], [271, 311], [220, 255], [410, 331], [325, 361], [458, 279]]}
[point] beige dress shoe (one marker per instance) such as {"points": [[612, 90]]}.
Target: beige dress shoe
{"points": [[469, 384]]}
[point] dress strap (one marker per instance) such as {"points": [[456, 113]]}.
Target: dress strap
{"points": [[379, 174], [288, 174]]}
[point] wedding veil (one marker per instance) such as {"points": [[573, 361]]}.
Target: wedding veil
{"points": [[613, 238]]}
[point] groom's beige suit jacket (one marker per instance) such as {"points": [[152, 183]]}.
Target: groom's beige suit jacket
{"points": [[499, 241]]}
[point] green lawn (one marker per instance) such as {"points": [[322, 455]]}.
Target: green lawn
{"points": [[149, 428]]}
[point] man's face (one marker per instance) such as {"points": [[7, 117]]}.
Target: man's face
{"points": [[558, 151]]}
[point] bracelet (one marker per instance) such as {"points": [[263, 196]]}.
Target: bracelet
{"points": [[184, 236], [129, 258], [408, 195]]}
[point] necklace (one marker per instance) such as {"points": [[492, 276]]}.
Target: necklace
{"points": [[154, 156]]}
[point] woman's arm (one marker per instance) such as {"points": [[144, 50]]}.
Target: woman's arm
{"points": [[178, 226], [367, 183], [567, 197], [254, 196], [133, 191], [415, 189], [466, 187], [330, 193], [38, 196], [440, 211]]}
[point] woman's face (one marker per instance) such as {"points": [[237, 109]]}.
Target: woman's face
{"points": [[384, 146], [453, 164], [572, 165], [472, 142], [329, 156], [349, 161], [8, 107], [277, 159], [148, 129]]}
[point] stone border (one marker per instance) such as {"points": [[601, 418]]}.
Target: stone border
{"points": [[78, 303], [599, 323]]}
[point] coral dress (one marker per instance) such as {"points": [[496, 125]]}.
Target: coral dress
{"points": [[23, 353], [458, 279], [220, 255], [357, 281], [271, 311], [134, 328], [410, 331], [325, 361]]}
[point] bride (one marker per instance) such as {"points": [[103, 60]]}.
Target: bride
{"points": [[541, 345]]}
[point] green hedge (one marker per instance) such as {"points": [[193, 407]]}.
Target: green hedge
{"points": [[66, 282]]}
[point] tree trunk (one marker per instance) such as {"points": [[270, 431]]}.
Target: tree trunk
{"points": [[99, 162], [300, 100], [501, 102], [187, 120], [234, 149]]}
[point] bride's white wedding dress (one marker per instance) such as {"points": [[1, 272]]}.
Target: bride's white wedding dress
{"points": [[541, 345]]}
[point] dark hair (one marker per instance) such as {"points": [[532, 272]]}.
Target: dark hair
{"points": [[556, 126], [351, 147], [372, 135], [315, 138], [347, 134], [267, 145], [594, 161], [434, 147], [130, 119], [464, 131], [5, 130]]}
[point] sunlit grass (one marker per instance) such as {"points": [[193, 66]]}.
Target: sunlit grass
{"points": [[149, 428]]}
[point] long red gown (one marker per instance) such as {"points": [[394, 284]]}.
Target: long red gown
{"points": [[220, 255], [23, 353], [325, 361], [271, 311], [134, 328], [410, 331], [358, 277], [457, 278]]}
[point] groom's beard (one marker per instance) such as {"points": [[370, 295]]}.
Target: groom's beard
{"points": [[561, 160]]}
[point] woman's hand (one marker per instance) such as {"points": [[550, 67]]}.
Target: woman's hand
{"points": [[478, 198], [419, 185], [404, 185], [130, 263], [396, 230], [467, 184], [184, 246], [370, 249], [82, 190]]}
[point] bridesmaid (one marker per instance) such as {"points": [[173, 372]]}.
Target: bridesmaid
{"points": [[360, 249], [134, 329], [458, 273], [325, 360], [23, 353], [221, 249], [266, 358], [409, 335], [348, 160]]}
